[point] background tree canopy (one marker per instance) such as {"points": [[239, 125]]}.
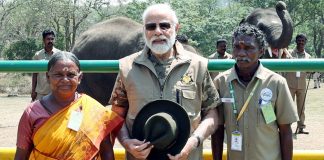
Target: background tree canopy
{"points": [[203, 21]]}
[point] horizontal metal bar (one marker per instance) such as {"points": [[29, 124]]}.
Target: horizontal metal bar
{"points": [[278, 65], [30, 66], [112, 66]]}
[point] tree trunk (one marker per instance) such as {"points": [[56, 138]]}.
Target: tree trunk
{"points": [[67, 33], [318, 48]]}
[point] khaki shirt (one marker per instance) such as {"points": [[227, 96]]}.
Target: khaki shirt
{"points": [[294, 81], [261, 141], [138, 84], [42, 86], [216, 55]]}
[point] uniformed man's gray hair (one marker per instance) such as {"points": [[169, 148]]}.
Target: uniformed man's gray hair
{"points": [[251, 30], [163, 6]]}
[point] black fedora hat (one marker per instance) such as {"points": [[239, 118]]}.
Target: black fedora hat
{"points": [[165, 124]]}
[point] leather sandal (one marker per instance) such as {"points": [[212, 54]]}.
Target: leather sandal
{"points": [[301, 131]]}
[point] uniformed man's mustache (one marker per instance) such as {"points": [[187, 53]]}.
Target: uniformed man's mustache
{"points": [[242, 59]]}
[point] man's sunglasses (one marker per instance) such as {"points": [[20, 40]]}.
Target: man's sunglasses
{"points": [[152, 26]]}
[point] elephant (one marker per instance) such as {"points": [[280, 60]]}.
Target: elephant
{"points": [[276, 24], [108, 40]]}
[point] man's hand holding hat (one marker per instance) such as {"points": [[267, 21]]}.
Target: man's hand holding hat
{"points": [[139, 149], [166, 125], [199, 135], [191, 144]]}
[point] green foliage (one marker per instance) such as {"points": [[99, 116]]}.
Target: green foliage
{"points": [[21, 50], [134, 10], [59, 41], [308, 17], [1, 48], [204, 22]]}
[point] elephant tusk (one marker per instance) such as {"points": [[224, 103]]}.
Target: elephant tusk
{"points": [[270, 52], [280, 53]]}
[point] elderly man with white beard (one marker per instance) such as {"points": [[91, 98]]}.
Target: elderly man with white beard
{"points": [[163, 70]]}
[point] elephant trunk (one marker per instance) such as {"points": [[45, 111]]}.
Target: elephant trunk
{"points": [[283, 40]]}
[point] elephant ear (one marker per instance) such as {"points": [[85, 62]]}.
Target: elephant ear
{"points": [[110, 39]]}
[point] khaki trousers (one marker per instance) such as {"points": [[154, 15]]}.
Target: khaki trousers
{"points": [[300, 98]]}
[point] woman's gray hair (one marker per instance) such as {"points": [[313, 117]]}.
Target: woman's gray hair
{"points": [[161, 6], [62, 55]]}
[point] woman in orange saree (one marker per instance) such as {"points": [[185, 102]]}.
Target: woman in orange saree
{"points": [[66, 125]]}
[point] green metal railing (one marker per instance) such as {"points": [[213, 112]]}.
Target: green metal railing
{"points": [[279, 65], [111, 66], [89, 66]]}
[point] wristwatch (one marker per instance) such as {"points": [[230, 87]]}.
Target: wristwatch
{"points": [[198, 140]]}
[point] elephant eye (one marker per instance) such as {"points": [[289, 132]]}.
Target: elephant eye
{"points": [[236, 46]]}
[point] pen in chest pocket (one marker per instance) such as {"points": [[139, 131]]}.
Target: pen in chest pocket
{"points": [[178, 96]]}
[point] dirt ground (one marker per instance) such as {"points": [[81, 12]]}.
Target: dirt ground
{"points": [[11, 109]]}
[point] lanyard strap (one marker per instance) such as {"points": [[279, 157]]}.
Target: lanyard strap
{"points": [[232, 95], [246, 102]]}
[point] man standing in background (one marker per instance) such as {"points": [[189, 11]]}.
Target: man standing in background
{"points": [[297, 81], [317, 80], [40, 87], [221, 46]]}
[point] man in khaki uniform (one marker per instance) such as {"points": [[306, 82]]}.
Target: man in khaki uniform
{"points": [[40, 86], [317, 81], [256, 107], [221, 46], [297, 81], [164, 70]]}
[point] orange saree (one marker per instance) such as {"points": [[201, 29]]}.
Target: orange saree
{"points": [[54, 140]]}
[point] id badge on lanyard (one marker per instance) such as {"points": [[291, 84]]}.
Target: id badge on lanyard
{"points": [[236, 141], [297, 74], [236, 136]]}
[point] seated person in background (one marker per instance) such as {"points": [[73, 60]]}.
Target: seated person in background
{"points": [[65, 124]]}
